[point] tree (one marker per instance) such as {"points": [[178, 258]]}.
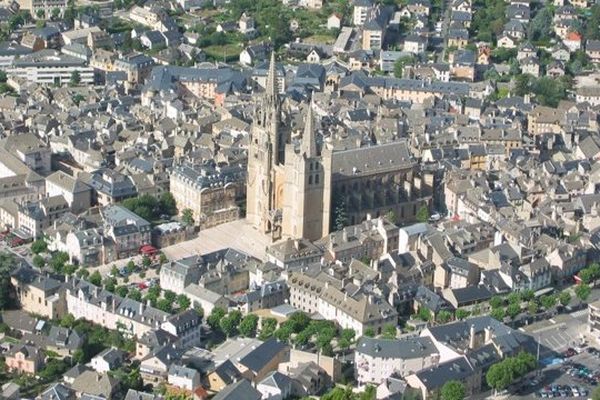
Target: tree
{"points": [[146, 261], [564, 298], [401, 63], [389, 332], [346, 338], [391, 216], [55, 13], [167, 204], [527, 295], [229, 323], [39, 246], [513, 310], [96, 278], [164, 305], [453, 390], [540, 27], [135, 294], [75, 78], [122, 290], [548, 301], [424, 314], [249, 325], [443, 317], [3, 77], [461, 314], [267, 328], [422, 214], [215, 317], [583, 291], [496, 302], [162, 258], [499, 376], [513, 298], [532, 307], [498, 313], [79, 356], [369, 332], [340, 217], [130, 267], [67, 321], [183, 301], [38, 261], [187, 217], [40, 13]]}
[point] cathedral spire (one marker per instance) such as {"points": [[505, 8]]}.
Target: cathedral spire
{"points": [[309, 143], [272, 77]]}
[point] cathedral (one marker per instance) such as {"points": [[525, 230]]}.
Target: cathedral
{"points": [[297, 188]]}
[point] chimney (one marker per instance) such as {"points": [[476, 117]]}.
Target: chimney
{"points": [[141, 308], [345, 235], [488, 335], [472, 337]]}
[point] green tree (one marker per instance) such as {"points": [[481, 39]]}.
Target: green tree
{"points": [[75, 78], [55, 13], [40, 13], [346, 338], [443, 317], [513, 310], [215, 317], [498, 313], [548, 301], [461, 314], [122, 290], [453, 390], [268, 327], [135, 294], [167, 204], [3, 77], [369, 332], [95, 278], [248, 325], [162, 258], [230, 323], [183, 301], [187, 217], [583, 291], [146, 261], [564, 298], [499, 376], [39, 246], [422, 214], [540, 27], [67, 321], [532, 307], [424, 314], [514, 298], [79, 356], [401, 63], [38, 261], [164, 305], [340, 217], [527, 295], [389, 332], [596, 394], [496, 302]]}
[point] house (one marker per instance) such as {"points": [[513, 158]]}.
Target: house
{"points": [[95, 384], [592, 49], [262, 360], [255, 53], [205, 298], [185, 326], [38, 294], [530, 65], [224, 374], [239, 390], [431, 380], [108, 360], [415, 44], [183, 377], [573, 41], [77, 194], [64, 341], [57, 391], [153, 40], [378, 359], [275, 386], [458, 37], [24, 359], [124, 231], [334, 21], [506, 41]]}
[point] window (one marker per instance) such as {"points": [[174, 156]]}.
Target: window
{"points": [[310, 179], [317, 179]]}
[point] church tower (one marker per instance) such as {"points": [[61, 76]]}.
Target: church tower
{"points": [[266, 159], [304, 186]]}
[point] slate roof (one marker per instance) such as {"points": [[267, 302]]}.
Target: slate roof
{"points": [[240, 390], [408, 348]]}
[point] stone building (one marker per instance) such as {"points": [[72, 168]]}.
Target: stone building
{"points": [[295, 187]]}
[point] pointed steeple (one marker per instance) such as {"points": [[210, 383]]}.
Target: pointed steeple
{"points": [[272, 78], [309, 142]]}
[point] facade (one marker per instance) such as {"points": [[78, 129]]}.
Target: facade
{"points": [[378, 359], [358, 311], [290, 190], [38, 294], [51, 67], [210, 192], [594, 319]]}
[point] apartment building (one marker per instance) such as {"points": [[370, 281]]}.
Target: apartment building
{"points": [[359, 311], [378, 359], [38, 294], [51, 67]]}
